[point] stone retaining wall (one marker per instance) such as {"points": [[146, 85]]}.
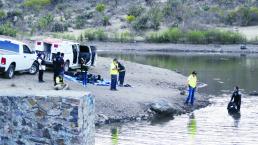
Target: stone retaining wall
{"points": [[50, 117]]}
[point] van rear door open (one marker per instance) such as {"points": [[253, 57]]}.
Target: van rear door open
{"points": [[85, 53]]}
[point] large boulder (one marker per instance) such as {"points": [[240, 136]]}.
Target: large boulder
{"points": [[162, 107]]}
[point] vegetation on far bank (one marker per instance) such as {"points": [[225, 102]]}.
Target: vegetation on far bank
{"points": [[172, 35], [175, 35], [171, 21]]}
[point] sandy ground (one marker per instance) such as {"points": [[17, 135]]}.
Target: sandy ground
{"points": [[251, 32], [150, 84]]}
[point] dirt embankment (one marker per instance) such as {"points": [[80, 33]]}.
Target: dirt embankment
{"points": [[169, 47], [150, 85]]}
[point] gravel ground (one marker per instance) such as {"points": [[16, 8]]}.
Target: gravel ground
{"points": [[150, 84]]}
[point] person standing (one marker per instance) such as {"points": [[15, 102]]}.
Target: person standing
{"points": [[84, 69], [113, 73], [42, 67], [236, 98], [57, 66], [62, 69], [121, 69], [192, 83]]}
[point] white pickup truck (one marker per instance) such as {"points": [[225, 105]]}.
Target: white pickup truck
{"points": [[16, 56]]}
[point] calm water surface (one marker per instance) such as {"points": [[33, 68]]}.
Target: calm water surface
{"points": [[208, 126]]}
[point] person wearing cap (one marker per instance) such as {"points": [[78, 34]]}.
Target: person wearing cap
{"points": [[192, 83], [114, 72]]}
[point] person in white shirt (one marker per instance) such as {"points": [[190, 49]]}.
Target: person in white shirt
{"points": [[42, 67]]}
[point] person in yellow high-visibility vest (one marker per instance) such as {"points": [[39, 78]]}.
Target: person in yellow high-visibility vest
{"points": [[192, 83], [114, 73]]}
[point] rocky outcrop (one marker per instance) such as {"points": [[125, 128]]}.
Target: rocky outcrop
{"points": [[50, 117]]}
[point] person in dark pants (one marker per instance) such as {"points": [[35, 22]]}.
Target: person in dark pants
{"points": [[121, 69], [192, 83], [42, 67], [57, 66], [62, 70], [113, 73], [236, 98], [84, 69], [93, 58]]}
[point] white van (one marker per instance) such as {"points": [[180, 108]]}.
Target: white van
{"points": [[73, 51]]}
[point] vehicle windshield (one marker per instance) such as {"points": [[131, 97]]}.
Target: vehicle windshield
{"points": [[7, 45]]}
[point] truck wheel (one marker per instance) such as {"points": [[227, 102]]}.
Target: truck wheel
{"points": [[66, 66], [10, 72], [34, 68]]}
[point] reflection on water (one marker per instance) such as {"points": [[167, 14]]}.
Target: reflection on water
{"points": [[209, 126], [114, 136], [192, 126], [220, 72], [236, 117]]}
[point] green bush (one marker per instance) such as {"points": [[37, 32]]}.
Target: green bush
{"points": [[64, 36], [135, 11], [130, 18], [155, 17], [2, 14], [95, 34], [242, 15], [175, 35], [44, 22], [36, 3], [59, 27], [106, 21], [7, 29], [100, 7], [141, 22], [197, 37], [125, 36]]}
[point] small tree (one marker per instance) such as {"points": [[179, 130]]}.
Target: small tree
{"points": [[100, 7], [130, 18]]}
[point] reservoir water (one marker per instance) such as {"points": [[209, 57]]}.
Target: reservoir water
{"points": [[207, 126]]}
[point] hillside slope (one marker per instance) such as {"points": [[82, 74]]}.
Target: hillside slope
{"points": [[30, 17]]}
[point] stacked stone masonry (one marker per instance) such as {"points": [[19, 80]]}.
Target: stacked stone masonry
{"points": [[47, 120]]}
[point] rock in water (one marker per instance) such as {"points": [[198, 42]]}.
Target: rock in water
{"points": [[162, 107]]}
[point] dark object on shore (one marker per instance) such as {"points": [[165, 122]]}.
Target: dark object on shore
{"points": [[91, 78], [254, 93], [243, 47], [232, 108], [182, 92]]}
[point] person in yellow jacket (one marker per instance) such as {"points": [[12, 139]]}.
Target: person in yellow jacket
{"points": [[192, 83], [114, 73]]}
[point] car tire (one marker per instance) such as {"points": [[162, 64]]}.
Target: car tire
{"points": [[34, 68], [10, 72]]}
